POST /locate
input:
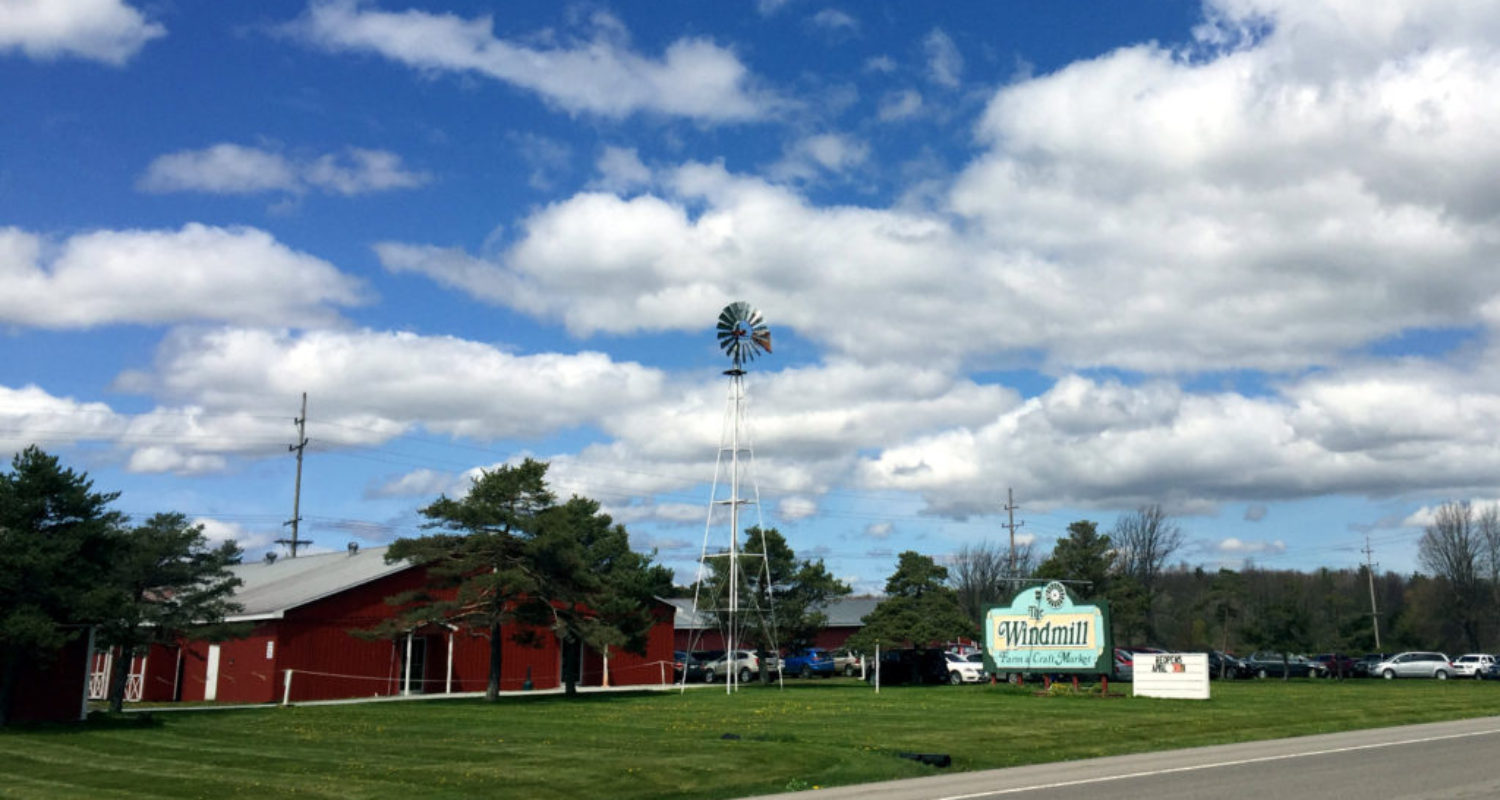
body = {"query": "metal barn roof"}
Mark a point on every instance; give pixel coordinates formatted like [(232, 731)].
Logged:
[(843, 612), (271, 588)]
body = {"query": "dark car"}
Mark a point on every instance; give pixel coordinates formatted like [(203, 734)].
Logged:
[(1278, 665), (1332, 665), (814, 661), (689, 663), (1224, 665), (910, 666), (1364, 666)]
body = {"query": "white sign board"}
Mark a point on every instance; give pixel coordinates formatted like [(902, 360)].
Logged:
[(1178, 676)]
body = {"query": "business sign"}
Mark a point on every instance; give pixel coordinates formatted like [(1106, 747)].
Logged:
[(1043, 631), (1171, 675)]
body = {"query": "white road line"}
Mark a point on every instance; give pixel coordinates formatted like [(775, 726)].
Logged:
[(1216, 765)]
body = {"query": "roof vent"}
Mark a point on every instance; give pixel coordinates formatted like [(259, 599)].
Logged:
[(270, 558), (353, 548)]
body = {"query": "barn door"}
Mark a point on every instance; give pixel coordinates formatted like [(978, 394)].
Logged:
[(99, 675), (135, 682), (211, 674)]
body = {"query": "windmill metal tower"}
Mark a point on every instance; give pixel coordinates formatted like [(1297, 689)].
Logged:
[(743, 336)]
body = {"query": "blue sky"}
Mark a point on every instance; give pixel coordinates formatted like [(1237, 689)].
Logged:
[(1234, 257)]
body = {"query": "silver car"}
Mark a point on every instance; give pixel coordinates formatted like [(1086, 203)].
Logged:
[(1415, 665)]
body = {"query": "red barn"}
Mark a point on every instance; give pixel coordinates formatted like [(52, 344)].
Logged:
[(54, 690), (302, 646)]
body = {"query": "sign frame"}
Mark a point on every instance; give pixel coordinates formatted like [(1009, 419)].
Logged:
[(1030, 610)]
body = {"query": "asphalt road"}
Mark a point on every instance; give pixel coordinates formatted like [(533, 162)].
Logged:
[(1438, 760)]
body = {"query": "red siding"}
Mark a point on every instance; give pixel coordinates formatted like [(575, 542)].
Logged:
[(328, 661), (52, 690)]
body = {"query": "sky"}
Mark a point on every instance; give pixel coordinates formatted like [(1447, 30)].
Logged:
[(1233, 257)]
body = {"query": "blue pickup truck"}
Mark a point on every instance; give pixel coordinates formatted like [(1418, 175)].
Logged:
[(810, 662)]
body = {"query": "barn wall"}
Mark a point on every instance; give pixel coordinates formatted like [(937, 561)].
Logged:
[(246, 675), (655, 666), (51, 689), (161, 679), (317, 642)]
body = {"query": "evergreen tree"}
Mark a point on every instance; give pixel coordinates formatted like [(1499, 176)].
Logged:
[(919, 610), (57, 540), (481, 558), (167, 581)]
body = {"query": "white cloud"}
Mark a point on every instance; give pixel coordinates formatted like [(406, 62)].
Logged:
[(1274, 206), (1232, 548), (621, 170), (1427, 515), (110, 31), (219, 531), (602, 75), (834, 20), (418, 483), (30, 415), (198, 273), (360, 171), (235, 169), (879, 530), (900, 105), (812, 156), (1104, 444), (882, 64), (945, 65), (795, 507)]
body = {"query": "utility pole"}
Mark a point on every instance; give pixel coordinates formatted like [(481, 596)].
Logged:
[(1010, 509), (1370, 571), (301, 423)]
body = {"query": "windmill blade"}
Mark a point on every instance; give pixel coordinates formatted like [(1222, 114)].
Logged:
[(762, 339)]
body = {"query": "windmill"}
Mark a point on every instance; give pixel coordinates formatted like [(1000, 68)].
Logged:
[(743, 336)]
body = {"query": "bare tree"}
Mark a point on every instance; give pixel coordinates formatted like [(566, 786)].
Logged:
[(1144, 541), (1452, 549), (981, 577), (1488, 525)]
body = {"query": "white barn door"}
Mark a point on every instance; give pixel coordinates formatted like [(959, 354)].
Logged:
[(211, 675)]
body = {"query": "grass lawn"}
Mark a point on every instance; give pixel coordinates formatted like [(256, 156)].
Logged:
[(668, 745)]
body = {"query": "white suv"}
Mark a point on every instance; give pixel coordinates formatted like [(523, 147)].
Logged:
[(1472, 665), (962, 670)]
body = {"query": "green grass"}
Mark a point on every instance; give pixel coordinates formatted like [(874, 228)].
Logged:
[(817, 733)]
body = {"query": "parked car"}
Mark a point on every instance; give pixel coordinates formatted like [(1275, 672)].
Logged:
[(1364, 664), (910, 666), (1124, 665), (1415, 664), (978, 660), (1224, 665), (1266, 664), (686, 663), (814, 661), (1491, 673), (745, 665), (1472, 665), (847, 662), (1332, 665), (962, 670)]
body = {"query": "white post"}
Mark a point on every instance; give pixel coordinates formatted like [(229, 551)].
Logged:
[(88, 666), (286, 688), (406, 672), (448, 683), (605, 680), (662, 665), (877, 667)]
